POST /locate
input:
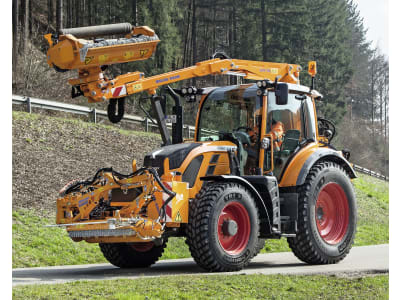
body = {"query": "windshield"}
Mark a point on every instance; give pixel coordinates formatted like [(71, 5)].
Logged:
[(289, 115), (227, 110)]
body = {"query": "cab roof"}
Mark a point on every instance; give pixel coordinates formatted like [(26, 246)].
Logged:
[(249, 90)]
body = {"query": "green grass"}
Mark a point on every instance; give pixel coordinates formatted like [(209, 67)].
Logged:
[(214, 287), (373, 210), (35, 245)]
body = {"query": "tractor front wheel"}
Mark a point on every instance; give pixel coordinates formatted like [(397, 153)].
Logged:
[(132, 255), (222, 233), (327, 216)]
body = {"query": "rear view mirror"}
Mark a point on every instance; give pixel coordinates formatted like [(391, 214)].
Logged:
[(282, 93)]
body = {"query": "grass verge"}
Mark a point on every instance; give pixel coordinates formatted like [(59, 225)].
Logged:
[(215, 287), (35, 245)]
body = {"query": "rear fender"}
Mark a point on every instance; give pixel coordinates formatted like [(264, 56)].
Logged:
[(327, 155), (296, 172)]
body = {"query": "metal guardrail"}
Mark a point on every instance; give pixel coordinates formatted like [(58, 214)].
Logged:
[(370, 173), (92, 113)]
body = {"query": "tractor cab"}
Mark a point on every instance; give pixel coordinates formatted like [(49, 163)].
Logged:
[(266, 130)]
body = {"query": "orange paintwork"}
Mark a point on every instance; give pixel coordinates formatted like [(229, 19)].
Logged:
[(65, 53), (292, 171)]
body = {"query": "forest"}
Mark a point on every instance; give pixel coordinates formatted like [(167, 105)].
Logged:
[(352, 75)]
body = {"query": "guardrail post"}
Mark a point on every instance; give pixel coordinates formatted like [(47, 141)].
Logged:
[(93, 116), (28, 105)]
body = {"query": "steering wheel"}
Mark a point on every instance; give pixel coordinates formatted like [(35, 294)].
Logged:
[(324, 125)]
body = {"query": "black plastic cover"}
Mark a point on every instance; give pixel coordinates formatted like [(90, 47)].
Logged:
[(175, 153), (192, 171)]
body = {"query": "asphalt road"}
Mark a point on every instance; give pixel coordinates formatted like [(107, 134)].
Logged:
[(367, 259)]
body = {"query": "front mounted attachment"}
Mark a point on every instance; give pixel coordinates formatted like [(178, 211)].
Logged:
[(113, 207)]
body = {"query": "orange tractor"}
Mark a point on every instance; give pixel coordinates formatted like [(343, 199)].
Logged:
[(260, 165)]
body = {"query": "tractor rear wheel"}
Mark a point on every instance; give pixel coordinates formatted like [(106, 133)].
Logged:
[(132, 255), (327, 216), (222, 233)]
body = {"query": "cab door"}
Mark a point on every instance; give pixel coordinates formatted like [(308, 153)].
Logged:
[(286, 126)]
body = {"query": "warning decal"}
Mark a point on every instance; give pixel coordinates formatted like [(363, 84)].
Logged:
[(119, 91), (178, 217)]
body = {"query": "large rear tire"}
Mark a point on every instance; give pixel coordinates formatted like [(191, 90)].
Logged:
[(132, 255), (327, 216), (223, 228)]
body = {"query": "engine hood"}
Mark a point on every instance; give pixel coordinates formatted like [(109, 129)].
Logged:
[(178, 152)]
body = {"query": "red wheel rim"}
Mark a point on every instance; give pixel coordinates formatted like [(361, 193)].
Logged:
[(142, 247), (332, 213), (235, 213)]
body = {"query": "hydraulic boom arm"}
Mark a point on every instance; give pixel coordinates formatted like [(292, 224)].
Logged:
[(103, 88), (69, 51)]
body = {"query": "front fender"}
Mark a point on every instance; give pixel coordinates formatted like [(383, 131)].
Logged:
[(265, 226)]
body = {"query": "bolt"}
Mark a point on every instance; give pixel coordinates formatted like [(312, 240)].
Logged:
[(93, 93), (104, 98)]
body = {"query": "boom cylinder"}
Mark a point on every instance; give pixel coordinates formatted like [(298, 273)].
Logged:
[(101, 30)]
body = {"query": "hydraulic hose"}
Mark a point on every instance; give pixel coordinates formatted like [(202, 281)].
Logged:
[(112, 108)]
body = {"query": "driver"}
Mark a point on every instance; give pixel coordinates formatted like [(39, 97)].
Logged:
[(277, 131)]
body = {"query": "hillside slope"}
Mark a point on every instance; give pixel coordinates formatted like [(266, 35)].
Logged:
[(49, 152)]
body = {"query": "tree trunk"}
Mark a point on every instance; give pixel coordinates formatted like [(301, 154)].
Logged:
[(90, 12), (109, 11), (59, 15), (194, 57), (68, 13), (77, 12), (134, 13), (386, 107), (15, 35), (50, 12), (380, 106), (263, 30), (25, 26), (186, 45), (30, 17)]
